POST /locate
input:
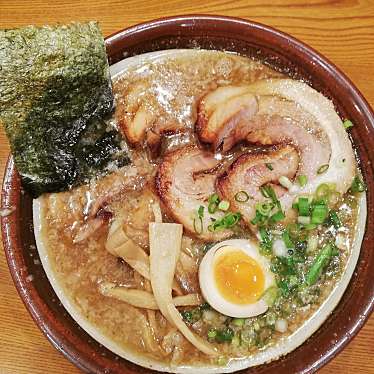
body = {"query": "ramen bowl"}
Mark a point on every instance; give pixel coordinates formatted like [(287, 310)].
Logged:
[(281, 52)]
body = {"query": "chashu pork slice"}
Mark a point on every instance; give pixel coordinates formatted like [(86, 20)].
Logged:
[(250, 171), (185, 180)]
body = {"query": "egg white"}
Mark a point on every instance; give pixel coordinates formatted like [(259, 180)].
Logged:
[(209, 288)]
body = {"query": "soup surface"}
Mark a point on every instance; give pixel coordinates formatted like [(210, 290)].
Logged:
[(226, 159)]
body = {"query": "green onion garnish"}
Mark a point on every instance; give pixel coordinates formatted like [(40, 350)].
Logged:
[(285, 182), (319, 213), (267, 191), (310, 226), (322, 259), (269, 166), (322, 168), (227, 221), (213, 202), (303, 206), (238, 321), (277, 217), (200, 211), (322, 190), (212, 333), (334, 219), (302, 180), (259, 218), (198, 225), (224, 335), (357, 185), (303, 220), (293, 230), (264, 190), (287, 240), (347, 124), (214, 198), (241, 197), (224, 205), (270, 295), (266, 241), (264, 208), (212, 208)]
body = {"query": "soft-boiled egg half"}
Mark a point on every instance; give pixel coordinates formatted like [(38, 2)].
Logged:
[(233, 276)]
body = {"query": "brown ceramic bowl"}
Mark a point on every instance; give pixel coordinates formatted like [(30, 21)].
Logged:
[(280, 51)]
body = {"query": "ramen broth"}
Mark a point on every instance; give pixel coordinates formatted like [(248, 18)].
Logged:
[(75, 226)]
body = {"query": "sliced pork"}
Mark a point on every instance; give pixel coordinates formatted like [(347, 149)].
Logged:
[(142, 121), (184, 182), (250, 171), (221, 112), (284, 111)]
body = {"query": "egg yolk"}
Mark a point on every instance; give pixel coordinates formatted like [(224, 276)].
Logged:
[(238, 277)]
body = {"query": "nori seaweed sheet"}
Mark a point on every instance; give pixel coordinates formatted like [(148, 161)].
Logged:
[(55, 92)]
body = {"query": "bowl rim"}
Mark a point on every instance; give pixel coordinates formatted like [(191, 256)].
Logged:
[(11, 191)]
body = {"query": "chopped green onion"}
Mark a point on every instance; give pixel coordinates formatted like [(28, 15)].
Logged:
[(224, 205), (231, 219), (322, 259), (213, 202), (292, 281), (302, 180), (212, 333), (264, 235), (205, 306), (303, 220), (312, 243), (277, 217), (267, 191), (334, 198), (270, 295), (303, 206), (347, 124), (198, 225), (213, 198), (285, 182), (224, 335), (259, 218), (238, 321), (212, 208), (228, 220), (322, 168), (334, 219), (293, 230), (319, 214), (310, 226), (287, 240), (191, 316), (269, 166), (264, 208), (357, 185), (266, 241), (200, 211), (241, 197), (187, 316), (335, 251), (322, 190)]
